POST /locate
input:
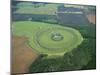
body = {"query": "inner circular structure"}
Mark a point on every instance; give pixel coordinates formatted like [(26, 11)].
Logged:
[(56, 36)]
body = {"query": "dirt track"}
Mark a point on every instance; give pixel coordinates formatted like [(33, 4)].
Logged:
[(22, 55)]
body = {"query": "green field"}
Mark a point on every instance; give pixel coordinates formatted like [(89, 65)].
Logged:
[(29, 8), (49, 39)]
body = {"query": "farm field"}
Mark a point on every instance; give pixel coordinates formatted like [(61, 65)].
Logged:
[(29, 8), (22, 54), (92, 18)]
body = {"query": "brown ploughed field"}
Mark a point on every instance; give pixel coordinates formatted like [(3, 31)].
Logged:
[(22, 55), (92, 18)]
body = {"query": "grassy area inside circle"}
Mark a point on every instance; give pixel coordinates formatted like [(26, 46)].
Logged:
[(39, 37)]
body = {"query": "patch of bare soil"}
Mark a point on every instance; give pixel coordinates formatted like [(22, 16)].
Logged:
[(92, 18), (22, 55)]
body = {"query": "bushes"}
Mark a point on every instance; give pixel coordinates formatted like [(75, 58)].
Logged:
[(87, 31)]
